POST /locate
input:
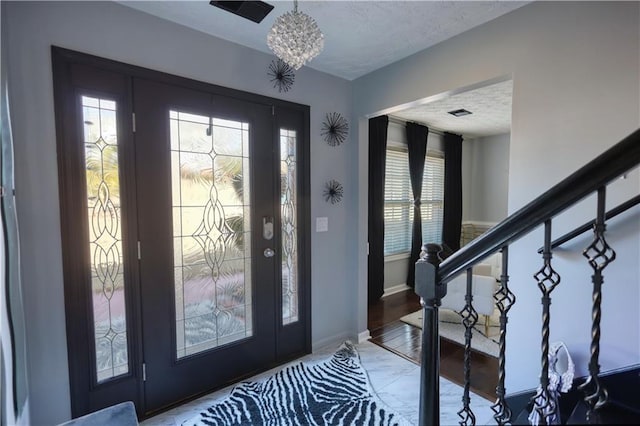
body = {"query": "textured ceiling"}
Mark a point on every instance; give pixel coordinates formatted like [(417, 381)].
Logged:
[(360, 36), (490, 106), (363, 36)]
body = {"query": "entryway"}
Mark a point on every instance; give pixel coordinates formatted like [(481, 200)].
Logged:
[(184, 215), (482, 114)]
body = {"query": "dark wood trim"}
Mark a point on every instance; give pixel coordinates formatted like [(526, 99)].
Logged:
[(134, 309), (136, 71), (71, 178), (61, 86), (299, 121), (69, 83), (305, 203)]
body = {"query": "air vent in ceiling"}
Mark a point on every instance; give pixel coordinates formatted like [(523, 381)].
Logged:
[(252, 10), (460, 112)]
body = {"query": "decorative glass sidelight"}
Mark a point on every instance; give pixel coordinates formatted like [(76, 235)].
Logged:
[(288, 204), (211, 231), (105, 237)]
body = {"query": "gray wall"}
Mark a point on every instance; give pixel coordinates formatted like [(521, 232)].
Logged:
[(485, 178), (395, 273), (14, 396), (116, 32), (575, 68)]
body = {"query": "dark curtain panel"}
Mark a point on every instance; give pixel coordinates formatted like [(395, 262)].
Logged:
[(377, 156), (417, 149), (452, 220)]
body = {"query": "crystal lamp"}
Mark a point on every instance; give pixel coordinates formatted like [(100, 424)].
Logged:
[(295, 38)]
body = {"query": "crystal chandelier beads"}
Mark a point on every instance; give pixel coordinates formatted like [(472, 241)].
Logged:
[(295, 38)]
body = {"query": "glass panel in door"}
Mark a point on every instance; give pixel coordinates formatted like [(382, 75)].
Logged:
[(205, 181), (211, 231)]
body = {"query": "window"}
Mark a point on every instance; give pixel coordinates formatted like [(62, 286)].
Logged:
[(398, 201), (432, 199)]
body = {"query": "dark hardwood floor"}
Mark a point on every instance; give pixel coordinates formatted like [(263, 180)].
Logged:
[(406, 340)]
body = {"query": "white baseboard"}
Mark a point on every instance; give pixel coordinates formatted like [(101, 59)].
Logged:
[(335, 341), (338, 339), (364, 336), (395, 289), (479, 223)]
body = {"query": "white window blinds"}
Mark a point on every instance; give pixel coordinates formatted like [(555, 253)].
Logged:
[(398, 205), (432, 200)]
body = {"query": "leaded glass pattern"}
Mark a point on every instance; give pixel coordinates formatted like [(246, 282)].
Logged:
[(288, 203), (211, 231), (105, 237)]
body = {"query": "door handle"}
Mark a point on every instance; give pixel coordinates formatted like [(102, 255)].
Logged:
[(269, 252)]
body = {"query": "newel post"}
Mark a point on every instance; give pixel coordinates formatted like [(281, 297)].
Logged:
[(430, 292)]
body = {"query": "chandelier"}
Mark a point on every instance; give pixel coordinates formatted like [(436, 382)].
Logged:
[(295, 38)]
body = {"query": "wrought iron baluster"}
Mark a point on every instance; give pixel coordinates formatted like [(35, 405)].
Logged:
[(547, 279), (599, 255), (469, 319), (504, 300)]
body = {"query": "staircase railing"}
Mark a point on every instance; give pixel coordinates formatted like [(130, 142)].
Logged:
[(433, 273), (632, 202)]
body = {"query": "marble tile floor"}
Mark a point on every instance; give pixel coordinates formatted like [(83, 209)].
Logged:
[(395, 380)]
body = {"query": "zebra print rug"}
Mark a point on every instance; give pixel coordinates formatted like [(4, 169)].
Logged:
[(331, 392)]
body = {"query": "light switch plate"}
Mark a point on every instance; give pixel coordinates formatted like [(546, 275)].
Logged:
[(322, 224)]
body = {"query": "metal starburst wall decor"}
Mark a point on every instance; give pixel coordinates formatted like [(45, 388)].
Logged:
[(335, 129), (333, 191), (282, 75)]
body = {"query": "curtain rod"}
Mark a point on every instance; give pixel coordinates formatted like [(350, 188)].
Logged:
[(402, 122)]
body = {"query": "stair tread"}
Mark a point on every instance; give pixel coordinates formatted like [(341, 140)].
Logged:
[(523, 417), (612, 413)]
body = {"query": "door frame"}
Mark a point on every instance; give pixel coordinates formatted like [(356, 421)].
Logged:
[(80, 375), (171, 376)]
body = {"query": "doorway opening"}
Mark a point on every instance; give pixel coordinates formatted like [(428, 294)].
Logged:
[(485, 167)]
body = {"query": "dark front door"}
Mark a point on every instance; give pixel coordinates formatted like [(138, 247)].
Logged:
[(184, 220), (207, 243)]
